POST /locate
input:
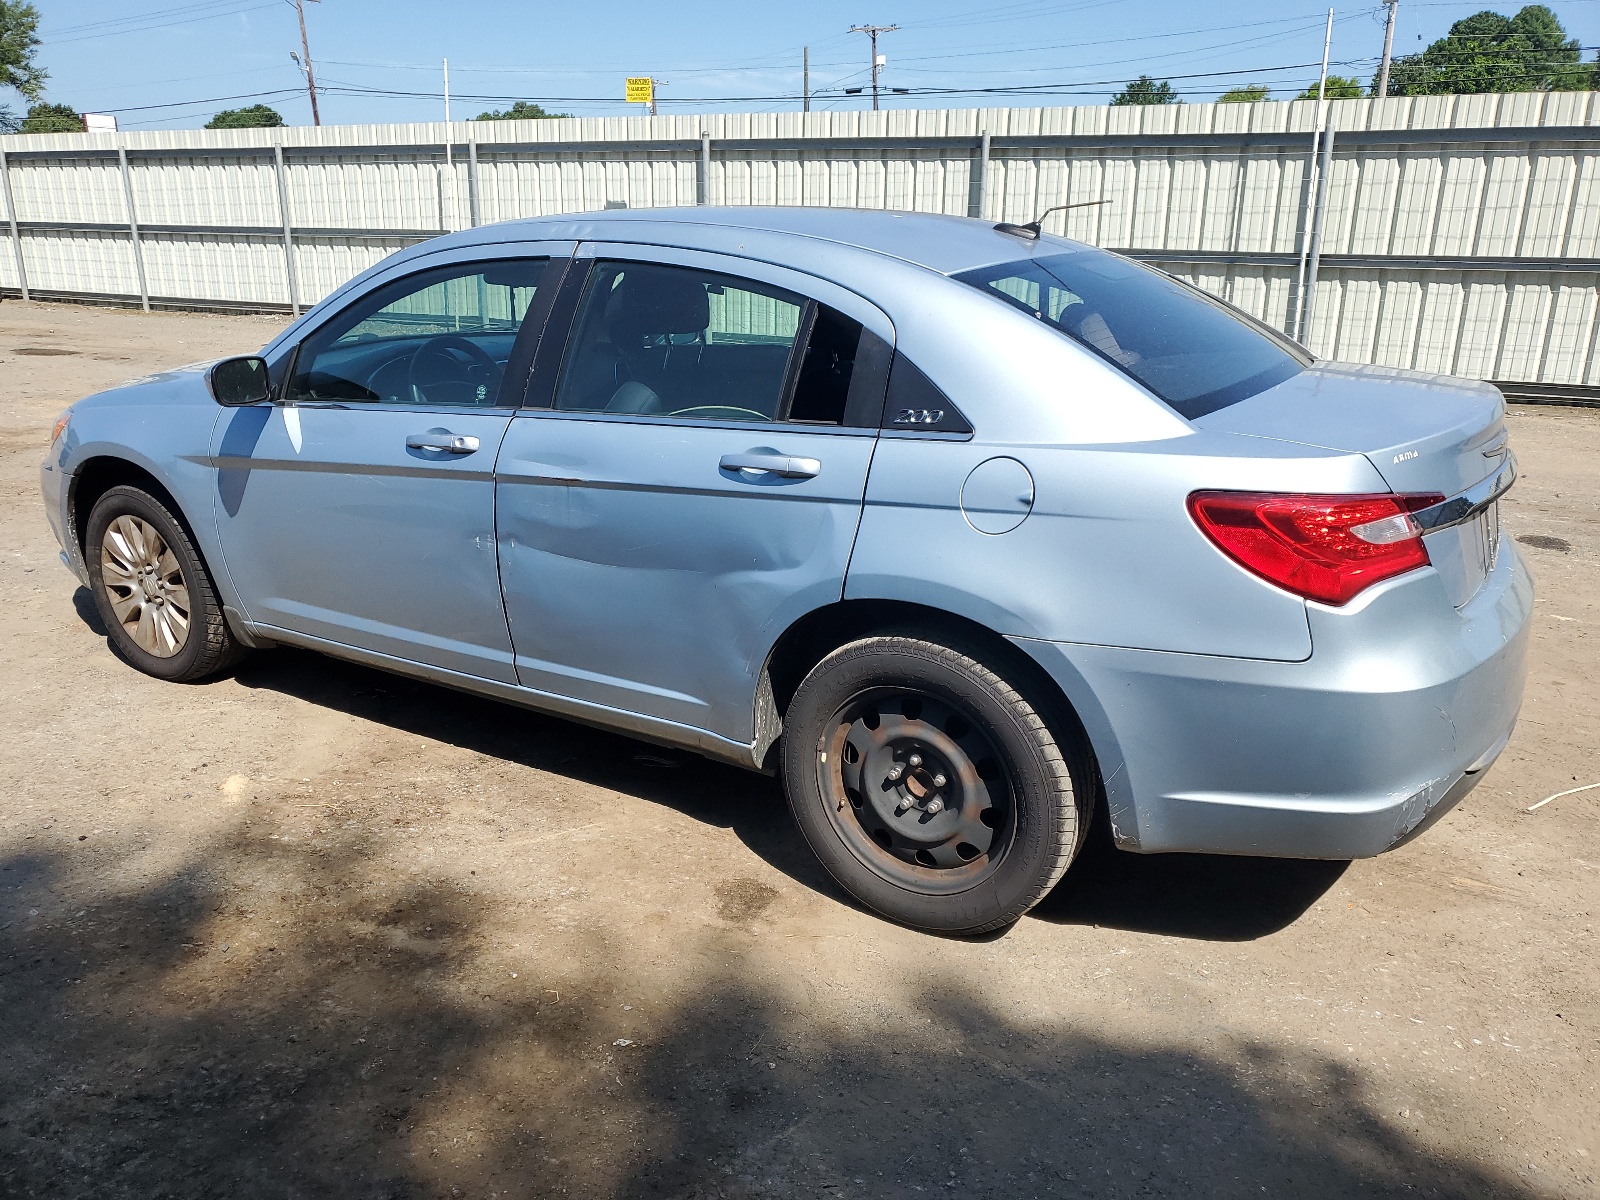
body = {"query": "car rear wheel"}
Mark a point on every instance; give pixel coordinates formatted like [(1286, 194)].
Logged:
[(930, 787), (153, 591)]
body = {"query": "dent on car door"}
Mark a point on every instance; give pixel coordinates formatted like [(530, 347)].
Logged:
[(359, 510), (692, 483)]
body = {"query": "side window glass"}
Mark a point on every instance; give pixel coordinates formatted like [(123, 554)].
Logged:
[(441, 338), (822, 390), (682, 343)]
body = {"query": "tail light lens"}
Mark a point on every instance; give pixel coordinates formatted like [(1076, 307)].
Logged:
[(1327, 548)]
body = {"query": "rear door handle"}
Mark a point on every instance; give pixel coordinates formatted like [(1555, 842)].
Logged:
[(450, 443), (764, 463)]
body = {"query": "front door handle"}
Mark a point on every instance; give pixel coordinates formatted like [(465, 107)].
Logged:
[(450, 443), (766, 463)]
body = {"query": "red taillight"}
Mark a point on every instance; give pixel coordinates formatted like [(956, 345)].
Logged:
[(1327, 548)]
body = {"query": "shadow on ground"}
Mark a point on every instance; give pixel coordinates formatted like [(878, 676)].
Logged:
[(1208, 897), (750, 805), (281, 1020)]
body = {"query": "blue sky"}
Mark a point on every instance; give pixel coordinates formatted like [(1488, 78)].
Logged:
[(716, 55)]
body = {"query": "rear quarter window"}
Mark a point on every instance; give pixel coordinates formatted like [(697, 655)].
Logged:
[(1194, 352)]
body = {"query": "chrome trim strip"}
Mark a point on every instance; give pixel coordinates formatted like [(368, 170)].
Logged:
[(1458, 510)]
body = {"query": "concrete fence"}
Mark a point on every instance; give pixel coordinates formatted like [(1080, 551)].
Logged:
[(1455, 233)]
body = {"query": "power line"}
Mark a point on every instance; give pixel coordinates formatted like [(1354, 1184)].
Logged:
[(1039, 89), (1307, 21), (135, 18), (189, 20), (1188, 52), (202, 103), (1304, 22), (344, 87)]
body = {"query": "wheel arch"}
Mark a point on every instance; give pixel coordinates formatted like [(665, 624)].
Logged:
[(96, 476), (1073, 711)]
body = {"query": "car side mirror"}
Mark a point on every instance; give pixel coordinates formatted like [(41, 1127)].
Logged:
[(235, 382)]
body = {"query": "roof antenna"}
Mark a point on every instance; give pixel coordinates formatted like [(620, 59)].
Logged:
[(1035, 227)]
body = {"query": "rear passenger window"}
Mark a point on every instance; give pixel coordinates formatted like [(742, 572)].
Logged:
[(681, 343), (823, 387)]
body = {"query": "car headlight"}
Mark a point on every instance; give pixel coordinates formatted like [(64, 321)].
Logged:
[(61, 426)]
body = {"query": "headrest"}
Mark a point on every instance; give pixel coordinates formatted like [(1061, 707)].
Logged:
[(656, 300)]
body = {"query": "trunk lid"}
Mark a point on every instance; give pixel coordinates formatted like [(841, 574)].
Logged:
[(1422, 433)]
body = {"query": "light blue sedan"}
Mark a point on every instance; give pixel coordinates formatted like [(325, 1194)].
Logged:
[(966, 531)]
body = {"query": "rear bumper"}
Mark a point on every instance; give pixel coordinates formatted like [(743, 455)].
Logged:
[(1398, 713)]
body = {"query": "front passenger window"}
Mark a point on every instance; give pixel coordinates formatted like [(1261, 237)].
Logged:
[(664, 341), (441, 337)]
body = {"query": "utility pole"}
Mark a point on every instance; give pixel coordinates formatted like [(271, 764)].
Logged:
[(449, 149), (1382, 89), (1322, 82), (872, 31), (1316, 195), (305, 49), (805, 75)]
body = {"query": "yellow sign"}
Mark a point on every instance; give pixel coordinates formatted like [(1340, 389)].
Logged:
[(641, 90)]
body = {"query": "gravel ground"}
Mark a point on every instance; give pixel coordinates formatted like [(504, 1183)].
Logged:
[(310, 930)]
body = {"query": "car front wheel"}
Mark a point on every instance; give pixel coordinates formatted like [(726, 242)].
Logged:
[(153, 591), (930, 787)]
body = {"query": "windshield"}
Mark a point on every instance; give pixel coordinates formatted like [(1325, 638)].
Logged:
[(1192, 351)]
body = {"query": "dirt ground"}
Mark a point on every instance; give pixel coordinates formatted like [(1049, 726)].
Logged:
[(311, 930)]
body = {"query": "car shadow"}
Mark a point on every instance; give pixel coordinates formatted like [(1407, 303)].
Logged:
[(83, 605), (749, 805), (1205, 897)]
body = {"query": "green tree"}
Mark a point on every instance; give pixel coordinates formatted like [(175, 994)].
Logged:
[(521, 111), (51, 118), (1488, 52), (1340, 87), (19, 37), (1248, 94), (1145, 90), (257, 116)]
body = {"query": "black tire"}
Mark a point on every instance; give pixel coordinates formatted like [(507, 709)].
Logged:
[(207, 645), (980, 747)]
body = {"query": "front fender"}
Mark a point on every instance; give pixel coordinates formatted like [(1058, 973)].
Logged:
[(164, 430)]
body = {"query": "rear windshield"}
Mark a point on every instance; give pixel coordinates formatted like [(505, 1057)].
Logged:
[(1195, 353)]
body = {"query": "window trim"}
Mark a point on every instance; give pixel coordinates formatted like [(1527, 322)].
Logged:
[(797, 361), (523, 347)]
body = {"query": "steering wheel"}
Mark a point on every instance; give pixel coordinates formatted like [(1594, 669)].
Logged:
[(437, 349), (721, 412)]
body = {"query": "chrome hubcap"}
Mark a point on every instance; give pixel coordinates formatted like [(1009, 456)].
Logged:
[(145, 586)]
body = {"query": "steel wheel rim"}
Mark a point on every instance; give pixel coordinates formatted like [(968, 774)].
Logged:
[(145, 586), (939, 825)]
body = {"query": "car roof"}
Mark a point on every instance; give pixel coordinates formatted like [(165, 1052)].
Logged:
[(941, 243)]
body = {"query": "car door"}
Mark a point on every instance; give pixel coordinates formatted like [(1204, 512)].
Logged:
[(689, 482), (359, 509)]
